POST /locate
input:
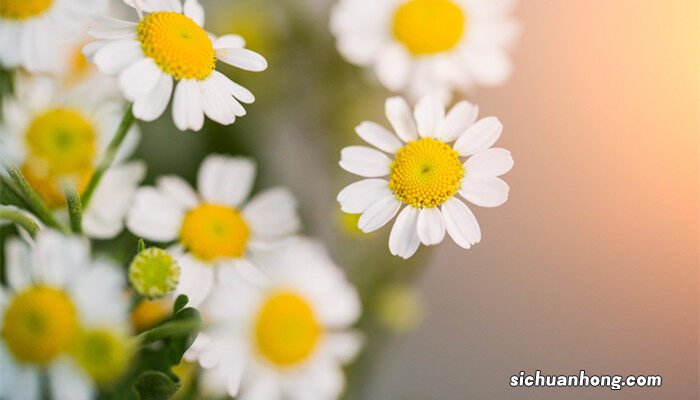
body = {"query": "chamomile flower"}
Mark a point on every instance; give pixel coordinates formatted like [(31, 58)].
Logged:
[(169, 44), (285, 340), (428, 46), (64, 315), (426, 173), (53, 135), (33, 32), (215, 230)]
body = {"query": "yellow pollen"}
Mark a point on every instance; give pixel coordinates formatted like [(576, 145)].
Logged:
[(23, 9), (102, 354), (177, 44), (39, 325), (286, 330), (425, 173), (212, 231), (429, 26)]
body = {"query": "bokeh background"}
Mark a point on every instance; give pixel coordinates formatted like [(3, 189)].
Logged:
[(593, 262)]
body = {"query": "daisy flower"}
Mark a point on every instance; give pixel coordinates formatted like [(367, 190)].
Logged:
[(285, 340), (169, 43), (428, 46), (215, 230), (426, 173), (53, 135), (33, 32), (59, 307)]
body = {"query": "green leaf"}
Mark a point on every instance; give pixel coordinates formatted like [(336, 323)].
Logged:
[(176, 346), (154, 385), (180, 303)]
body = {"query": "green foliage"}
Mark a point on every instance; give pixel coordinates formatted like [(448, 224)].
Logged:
[(154, 385)]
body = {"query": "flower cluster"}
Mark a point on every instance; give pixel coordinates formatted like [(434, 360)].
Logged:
[(120, 279)]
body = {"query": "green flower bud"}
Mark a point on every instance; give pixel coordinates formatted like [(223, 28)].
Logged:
[(154, 272)]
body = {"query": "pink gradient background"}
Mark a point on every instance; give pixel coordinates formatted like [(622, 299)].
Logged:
[(593, 262)]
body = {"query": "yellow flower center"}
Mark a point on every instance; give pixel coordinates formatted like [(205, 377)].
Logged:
[(102, 354), (286, 330), (61, 144), (39, 324), (212, 231), (147, 313), (425, 173), (177, 44), (429, 26), (23, 9)]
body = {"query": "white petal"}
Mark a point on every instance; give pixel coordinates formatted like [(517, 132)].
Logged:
[(378, 136), (187, 106), (231, 87), (114, 57), (112, 28), (272, 214), (226, 180), (139, 79), (68, 381), (242, 269), (344, 346), (98, 294), (194, 10), (152, 106), (229, 42), (364, 161), (218, 105), (399, 114), (489, 68), (378, 214), (18, 264), (484, 191), (492, 162), (404, 240), (429, 114), (480, 136), (177, 190), (357, 197), (431, 226), (60, 258), (155, 216), (242, 58), (461, 223), (196, 278), (458, 119), (393, 68)]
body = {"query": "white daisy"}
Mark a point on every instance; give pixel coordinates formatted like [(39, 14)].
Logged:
[(215, 227), (284, 340), (167, 44), (428, 46), (426, 173), (33, 32), (59, 304), (53, 135)]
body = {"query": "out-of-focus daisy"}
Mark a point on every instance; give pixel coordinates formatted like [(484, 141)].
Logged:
[(215, 229), (53, 136), (64, 315), (167, 44), (428, 46), (33, 32), (284, 340), (426, 173)]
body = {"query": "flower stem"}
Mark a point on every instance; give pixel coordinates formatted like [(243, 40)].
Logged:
[(33, 200), (75, 209), (168, 329), (13, 214), (108, 157)]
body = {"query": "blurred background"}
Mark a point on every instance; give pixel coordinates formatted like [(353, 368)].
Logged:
[(593, 262)]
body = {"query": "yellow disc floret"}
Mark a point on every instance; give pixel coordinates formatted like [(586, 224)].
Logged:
[(429, 26), (425, 173), (212, 231), (23, 9), (286, 330), (177, 44), (39, 325), (102, 354)]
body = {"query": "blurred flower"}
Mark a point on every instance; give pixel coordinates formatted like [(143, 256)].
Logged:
[(285, 339), (55, 135), (153, 272), (57, 295), (214, 228), (148, 313), (399, 308), (33, 32), (169, 43), (428, 46), (426, 173)]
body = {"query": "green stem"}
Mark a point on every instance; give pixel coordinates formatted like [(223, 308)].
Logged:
[(13, 214), (108, 157), (168, 329), (33, 200), (75, 209)]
